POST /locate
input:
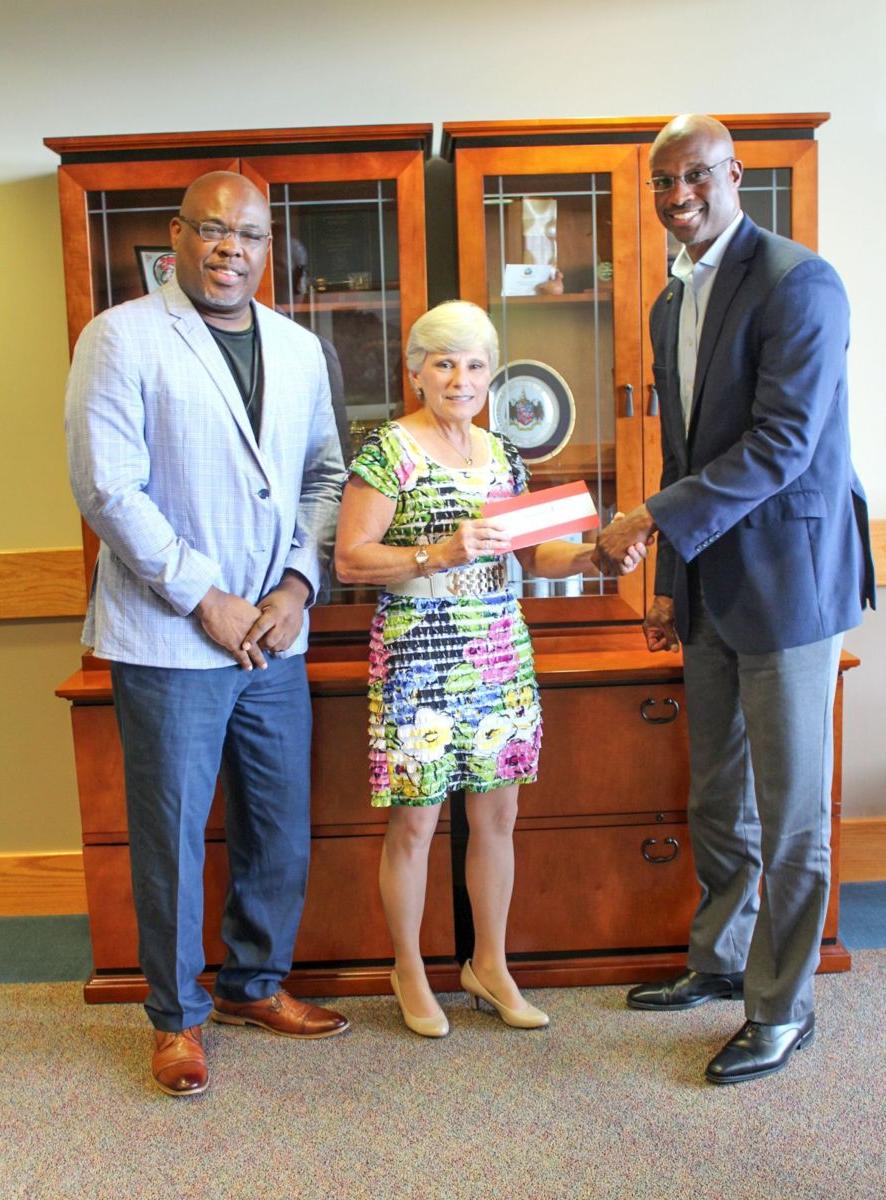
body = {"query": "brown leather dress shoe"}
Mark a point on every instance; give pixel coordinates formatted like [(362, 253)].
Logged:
[(283, 1014), (179, 1062)]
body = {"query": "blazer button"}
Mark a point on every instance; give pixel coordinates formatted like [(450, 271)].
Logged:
[(263, 494)]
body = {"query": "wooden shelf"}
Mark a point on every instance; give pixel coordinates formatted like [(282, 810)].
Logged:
[(602, 295), (342, 301)]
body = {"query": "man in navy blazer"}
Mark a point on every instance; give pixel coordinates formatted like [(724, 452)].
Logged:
[(203, 452), (763, 562)]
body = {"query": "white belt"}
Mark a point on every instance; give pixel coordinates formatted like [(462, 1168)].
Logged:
[(474, 579)]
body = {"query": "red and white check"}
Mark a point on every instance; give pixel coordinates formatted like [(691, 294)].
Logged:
[(550, 513)]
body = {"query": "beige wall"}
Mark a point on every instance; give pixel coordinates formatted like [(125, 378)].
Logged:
[(38, 791), (100, 67)]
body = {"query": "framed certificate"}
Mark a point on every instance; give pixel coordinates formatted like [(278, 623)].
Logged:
[(531, 403)]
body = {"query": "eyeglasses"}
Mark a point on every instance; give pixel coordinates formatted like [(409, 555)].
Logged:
[(215, 231), (693, 178)]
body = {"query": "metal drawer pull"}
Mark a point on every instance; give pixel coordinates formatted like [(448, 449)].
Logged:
[(629, 399), (648, 704), (653, 402), (660, 858)]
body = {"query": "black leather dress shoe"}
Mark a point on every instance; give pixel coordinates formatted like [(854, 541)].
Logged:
[(759, 1050), (686, 991)]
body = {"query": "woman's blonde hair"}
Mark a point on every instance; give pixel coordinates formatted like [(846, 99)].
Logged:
[(454, 325)]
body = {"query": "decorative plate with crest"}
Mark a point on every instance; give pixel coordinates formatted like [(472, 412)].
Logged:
[(531, 403)]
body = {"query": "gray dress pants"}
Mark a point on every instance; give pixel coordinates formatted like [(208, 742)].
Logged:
[(761, 758)]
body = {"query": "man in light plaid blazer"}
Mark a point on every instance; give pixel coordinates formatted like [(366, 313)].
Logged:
[(203, 452)]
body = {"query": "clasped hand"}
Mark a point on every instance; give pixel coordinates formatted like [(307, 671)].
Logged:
[(249, 631)]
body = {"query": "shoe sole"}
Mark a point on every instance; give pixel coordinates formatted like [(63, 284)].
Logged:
[(172, 1092), (639, 1004), (804, 1041), (228, 1019)]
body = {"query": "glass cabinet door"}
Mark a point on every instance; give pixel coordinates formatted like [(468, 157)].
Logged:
[(348, 263), (549, 245), (337, 272)]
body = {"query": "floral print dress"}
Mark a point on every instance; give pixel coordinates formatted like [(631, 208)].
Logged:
[(453, 701)]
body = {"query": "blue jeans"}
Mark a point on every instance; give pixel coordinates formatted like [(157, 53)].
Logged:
[(180, 728)]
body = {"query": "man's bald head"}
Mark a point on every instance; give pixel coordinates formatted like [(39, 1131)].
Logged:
[(696, 178), (212, 187), (692, 125)]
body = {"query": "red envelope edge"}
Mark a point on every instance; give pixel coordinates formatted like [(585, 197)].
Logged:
[(545, 532)]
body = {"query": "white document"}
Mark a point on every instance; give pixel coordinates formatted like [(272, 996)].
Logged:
[(521, 279)]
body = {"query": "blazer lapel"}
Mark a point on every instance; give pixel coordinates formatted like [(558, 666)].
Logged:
[(190, 325), (270, 360), (673, 413)]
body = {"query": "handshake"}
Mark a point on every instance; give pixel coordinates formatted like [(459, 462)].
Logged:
[(636, 528), (613, 545)]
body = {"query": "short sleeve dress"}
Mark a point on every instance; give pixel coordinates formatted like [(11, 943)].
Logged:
[(453, 700)]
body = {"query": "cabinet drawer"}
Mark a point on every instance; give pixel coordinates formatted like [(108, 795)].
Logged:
[(339, 768), (98, 757), (342, 919), (589, 889), (340, 763), (611, 750)]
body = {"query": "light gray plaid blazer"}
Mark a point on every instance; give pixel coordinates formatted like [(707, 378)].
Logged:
[(166, 470)]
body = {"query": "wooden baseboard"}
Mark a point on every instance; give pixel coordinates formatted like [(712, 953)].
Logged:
[(41, 885), (863, 850)]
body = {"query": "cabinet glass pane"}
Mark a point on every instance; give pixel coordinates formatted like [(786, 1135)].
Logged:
[(549, 272), (336, 271), (129, 242), (766, 198)]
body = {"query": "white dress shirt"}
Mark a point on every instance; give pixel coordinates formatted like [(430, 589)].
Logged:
[(698, 280)]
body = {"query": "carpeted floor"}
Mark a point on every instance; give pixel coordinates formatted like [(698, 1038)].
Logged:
[(607, 1104)]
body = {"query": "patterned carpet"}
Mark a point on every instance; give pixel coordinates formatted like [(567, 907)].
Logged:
[(607, 1104)]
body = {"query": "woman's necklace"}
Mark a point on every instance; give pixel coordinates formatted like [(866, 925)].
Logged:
[(469, 460)]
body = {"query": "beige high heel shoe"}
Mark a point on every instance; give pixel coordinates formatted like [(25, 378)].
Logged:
[(529, 1017), (436, 1026)]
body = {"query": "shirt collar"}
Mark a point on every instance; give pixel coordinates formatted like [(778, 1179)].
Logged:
[(684, 266)]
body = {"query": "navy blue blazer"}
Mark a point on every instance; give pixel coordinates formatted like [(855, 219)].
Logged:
[(762, 492)]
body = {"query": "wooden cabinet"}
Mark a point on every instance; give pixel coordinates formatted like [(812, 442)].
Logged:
[(605, 887)]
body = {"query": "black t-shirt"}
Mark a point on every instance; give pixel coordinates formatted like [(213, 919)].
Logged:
[(242, 352)]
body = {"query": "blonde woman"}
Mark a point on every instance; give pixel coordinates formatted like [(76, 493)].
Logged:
[(453, 699)]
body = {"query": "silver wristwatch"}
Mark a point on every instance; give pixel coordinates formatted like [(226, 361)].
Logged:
[(422, 558)]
